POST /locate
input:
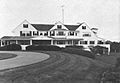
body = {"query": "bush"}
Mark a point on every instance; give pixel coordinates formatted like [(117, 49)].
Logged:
[(43, 47), (79, 52), (117, 62), (78, 47), (11, 47), (99, 49)]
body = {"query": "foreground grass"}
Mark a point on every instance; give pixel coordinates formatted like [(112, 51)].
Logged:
[(110, 59), (60, 68)]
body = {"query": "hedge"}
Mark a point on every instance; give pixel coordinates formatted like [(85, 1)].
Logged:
[(11, 47), (118, 62), (78, 47), (99, 49), (79, 52), (43, 48)]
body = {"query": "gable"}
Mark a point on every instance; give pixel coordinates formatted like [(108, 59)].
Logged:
[(21, 27), (55, 27)]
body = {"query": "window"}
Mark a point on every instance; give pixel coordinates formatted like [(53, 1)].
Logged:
[(25, 25), (25, 33), (52, 33), (41, 33), (69, 41), (61, 42), (100, 42), (71, 33), (24, 42), (75, 34), (22, 34), (35, 33), (92, 42), (46, 34), (83, 27), (86, 35), (75, 42), (60, 33), (59, 26), (29, 34), (83, 42)]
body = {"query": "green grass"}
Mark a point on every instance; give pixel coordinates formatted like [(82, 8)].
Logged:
[(6, 56)]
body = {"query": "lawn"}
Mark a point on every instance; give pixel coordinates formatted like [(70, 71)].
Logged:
[(6, 56), (59, 68), (110, 59)]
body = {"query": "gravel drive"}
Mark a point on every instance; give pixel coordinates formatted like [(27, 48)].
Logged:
[(23, 58)]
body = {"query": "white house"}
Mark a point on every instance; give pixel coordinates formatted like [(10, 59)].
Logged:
[(58, 34)]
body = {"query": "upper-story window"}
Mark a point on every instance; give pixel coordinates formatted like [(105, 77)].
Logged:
[(35, 33), (25, 33), (59, 26), (71, 33), (83, 42), (83, 27), (86, 35), (92, 42), (41, 33), (52, 33), (25, 25), (60, 33), (100, 42), (76, 34), (46, 34)]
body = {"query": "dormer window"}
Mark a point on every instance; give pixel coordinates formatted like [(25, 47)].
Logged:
[(25, 25), (83, 27), (59, 26)]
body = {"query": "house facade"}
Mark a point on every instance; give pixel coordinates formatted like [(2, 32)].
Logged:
[(57, 34)]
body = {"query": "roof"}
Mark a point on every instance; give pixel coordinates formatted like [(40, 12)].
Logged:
[(16, 38), (42, 27), (41, 38), (46, 27), (72, 27)]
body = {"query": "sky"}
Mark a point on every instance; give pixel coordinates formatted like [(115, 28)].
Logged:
[(101, 14)]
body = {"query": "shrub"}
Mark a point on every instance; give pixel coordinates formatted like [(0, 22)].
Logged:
[(11, 47), (117, 62), (79, 52), (99, 49), (43, 47), (78, 47)]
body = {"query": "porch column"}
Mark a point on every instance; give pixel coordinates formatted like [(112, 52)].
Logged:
[(1, 43), (30, 42), (51, 42), (72, 42), (66, 42), (79, 42), (16, 41)]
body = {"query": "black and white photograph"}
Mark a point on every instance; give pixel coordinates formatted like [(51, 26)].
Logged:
[(59, 41)]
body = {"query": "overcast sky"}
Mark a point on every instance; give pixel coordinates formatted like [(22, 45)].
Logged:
[(102, 14)]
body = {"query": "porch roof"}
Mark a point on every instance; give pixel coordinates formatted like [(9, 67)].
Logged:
[(15, 38), (41, 38)]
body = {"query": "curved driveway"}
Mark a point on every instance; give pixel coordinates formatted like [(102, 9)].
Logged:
[(23, 58)]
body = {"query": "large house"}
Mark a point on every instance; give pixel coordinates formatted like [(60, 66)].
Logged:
[(58, 34)]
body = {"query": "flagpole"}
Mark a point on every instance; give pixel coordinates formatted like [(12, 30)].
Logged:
[(62, 13)]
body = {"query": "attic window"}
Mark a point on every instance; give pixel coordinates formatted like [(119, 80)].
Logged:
[(25, 25), (59, 26), (83, 27)]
